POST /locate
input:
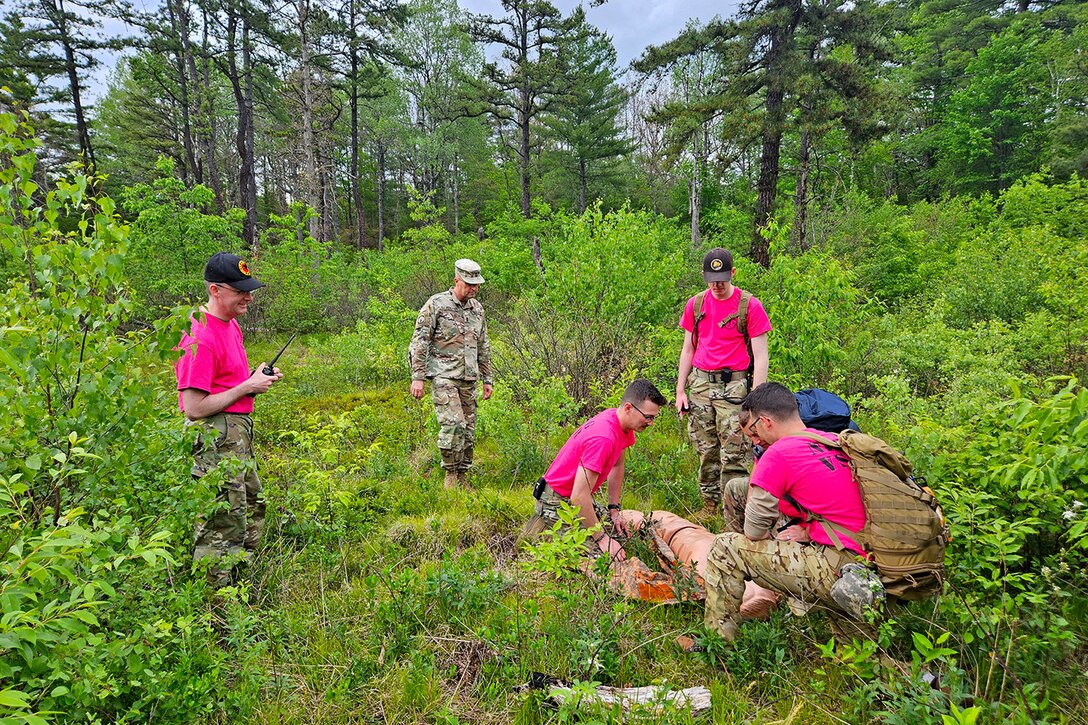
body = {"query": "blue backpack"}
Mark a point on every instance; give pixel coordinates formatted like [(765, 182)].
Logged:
[(824, 411)]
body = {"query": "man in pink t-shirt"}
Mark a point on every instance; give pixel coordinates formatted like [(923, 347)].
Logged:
[(592, 455), (801, 478), (216, 391), (724, 352)]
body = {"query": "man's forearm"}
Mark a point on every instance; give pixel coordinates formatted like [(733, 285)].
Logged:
[(760, 360), (199, 404), (583, 501), (684, 369), (760, 513)]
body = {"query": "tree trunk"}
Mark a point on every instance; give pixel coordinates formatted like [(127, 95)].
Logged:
[(73, 83), (311, 191), (525, 110), (456, 189), (380, 183), (247, 183), (767, 185), (241, 81), (359, 225), (180, 25), (207, 105), (582, 184), (695, 201), (523, 157), (799, 235), (778, 56)]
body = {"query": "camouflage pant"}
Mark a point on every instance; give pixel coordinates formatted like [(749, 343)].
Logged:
[(546, 515), (806, 572), (225, 447), (714, 430), (455, 408), (734, 499)]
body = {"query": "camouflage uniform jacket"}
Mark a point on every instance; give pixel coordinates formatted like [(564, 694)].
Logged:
[(450, 340)]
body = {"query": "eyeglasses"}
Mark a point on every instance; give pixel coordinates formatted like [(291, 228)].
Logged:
[(749, 428), (235, 290), (649, 418)]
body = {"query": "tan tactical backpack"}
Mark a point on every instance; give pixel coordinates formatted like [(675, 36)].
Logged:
[(905, 531)]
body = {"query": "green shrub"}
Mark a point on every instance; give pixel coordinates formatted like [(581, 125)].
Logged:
[(95, 495), (172, 236)]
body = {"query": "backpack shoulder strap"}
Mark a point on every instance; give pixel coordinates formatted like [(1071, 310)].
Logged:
[(819, 439), (697, 310), (742, 315)]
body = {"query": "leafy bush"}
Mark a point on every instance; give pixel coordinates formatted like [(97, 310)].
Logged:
[(172, 236), (95, 495), (609, 279)]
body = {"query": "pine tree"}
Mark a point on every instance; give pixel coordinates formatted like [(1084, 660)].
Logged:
[(526, 83), (585, 122), (781, 54)]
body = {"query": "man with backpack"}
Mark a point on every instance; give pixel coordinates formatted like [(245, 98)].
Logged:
[(723, 357), (801, 478)]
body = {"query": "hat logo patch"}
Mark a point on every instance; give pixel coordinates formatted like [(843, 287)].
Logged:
[(243, 267), (716, 265)]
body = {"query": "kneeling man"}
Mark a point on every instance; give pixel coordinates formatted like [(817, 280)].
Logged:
[(794, 475), (594, 453)]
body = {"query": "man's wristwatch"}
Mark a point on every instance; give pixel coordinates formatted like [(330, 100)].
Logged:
[(614, 507)]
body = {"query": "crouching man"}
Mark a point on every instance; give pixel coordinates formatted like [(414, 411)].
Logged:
[(795, 474), (592, 455)]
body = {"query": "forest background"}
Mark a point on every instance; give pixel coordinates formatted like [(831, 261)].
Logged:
[(902, 184)]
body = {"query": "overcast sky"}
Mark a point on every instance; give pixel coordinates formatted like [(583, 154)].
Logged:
[(633, 24)]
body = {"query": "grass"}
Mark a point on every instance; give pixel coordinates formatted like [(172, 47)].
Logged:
[(380, 597)]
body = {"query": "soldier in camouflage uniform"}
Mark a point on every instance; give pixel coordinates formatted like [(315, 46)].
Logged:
[(725, 334), (595, 455), (451, 349), (216, 391), (794, 473)]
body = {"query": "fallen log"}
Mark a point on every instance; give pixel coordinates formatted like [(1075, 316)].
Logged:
[(652, 698)]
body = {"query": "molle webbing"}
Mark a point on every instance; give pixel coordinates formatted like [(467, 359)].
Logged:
[(904, 532)]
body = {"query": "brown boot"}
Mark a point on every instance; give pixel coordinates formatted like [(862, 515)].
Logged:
[(710, 509), (452, 480), (462, 480)]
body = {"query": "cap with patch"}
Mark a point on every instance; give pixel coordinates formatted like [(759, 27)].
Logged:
[(468, 270), (718, 265), (230, 269)]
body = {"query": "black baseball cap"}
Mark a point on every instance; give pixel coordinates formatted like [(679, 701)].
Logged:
[(230, 269), (718, 265)]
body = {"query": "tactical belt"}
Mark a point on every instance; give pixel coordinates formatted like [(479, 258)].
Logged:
[(725, 375)]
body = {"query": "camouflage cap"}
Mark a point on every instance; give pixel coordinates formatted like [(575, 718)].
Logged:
[(468, 270)]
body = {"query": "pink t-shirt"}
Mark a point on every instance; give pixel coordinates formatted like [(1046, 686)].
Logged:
[(819, 478), (597, 446), (217, 362), (723, 347)]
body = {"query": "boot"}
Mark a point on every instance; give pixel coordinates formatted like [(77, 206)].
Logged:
[(452, 480), (462, 480), (710, 508)]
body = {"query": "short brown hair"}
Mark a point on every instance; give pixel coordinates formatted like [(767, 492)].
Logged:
[(641, 389), (773, 400)]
